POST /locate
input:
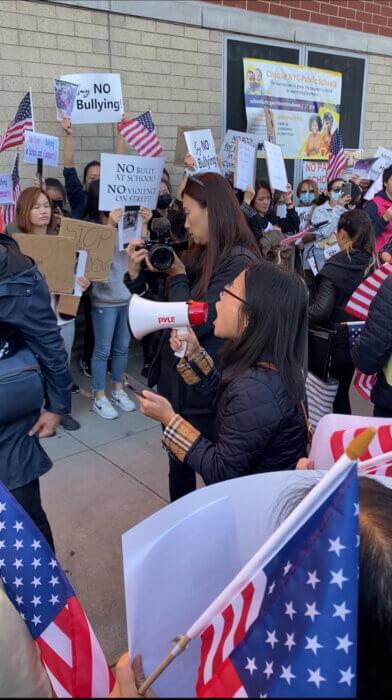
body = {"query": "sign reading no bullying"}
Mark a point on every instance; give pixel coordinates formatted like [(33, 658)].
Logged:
[(99, 98)]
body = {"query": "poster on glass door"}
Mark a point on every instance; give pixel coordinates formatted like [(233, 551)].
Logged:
[(295, 107)]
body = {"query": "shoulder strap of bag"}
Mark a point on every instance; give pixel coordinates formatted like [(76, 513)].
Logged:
[(269, 365)]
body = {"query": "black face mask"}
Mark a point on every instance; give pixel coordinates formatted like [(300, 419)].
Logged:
[(163, 201)]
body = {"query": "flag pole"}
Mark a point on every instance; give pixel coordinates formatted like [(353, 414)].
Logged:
[(374, 461), (32, 111), (287, 529)]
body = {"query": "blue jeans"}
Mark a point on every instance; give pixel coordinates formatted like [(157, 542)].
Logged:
[(111, 337)]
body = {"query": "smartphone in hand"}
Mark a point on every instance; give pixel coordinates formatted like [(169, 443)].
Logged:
[(39, 170), (137, 386)]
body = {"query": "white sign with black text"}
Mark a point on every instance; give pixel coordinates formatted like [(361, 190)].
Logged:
[(129, 181), (201, 146), (245, 165), (99, 98), (227, 150), (276, 167)]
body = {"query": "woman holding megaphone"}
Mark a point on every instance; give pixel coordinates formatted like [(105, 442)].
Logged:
[(258, 393), (221, 246)]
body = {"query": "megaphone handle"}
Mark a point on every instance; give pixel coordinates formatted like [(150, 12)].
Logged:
[(181, 331)]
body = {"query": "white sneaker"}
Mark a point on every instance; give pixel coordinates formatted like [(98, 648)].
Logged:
[(104, 408), (121, 399)]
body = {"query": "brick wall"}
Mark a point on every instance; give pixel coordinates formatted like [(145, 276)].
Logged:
[(173, 69), (371, 16)]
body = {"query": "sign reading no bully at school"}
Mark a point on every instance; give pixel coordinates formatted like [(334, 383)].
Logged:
[(99, 98), (129, 181)]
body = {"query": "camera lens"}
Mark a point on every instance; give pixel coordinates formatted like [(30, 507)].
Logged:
[(161, 256)]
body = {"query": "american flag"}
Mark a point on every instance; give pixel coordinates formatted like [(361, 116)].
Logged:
[(14, 133), (359, 303), (381, 443), (337, 157), (140, 133), (9, 209), (363, 383), (292, 632), (37, 586)]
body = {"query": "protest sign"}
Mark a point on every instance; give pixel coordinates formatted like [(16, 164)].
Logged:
[(201, 146), (317, 171), (352, 157), (364, 168), (41, 146), (6, 190), (55, 259), (277, 174), (304, 216), (227, 150), (97, 240), (244, 166), (383, 158), (65, 96), (129, 180), (181, 147), (296, 107), (375, 187), (99, 98), (69, 303), (129, 227)]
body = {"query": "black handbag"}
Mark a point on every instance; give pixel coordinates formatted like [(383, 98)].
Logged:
[(21, 385)]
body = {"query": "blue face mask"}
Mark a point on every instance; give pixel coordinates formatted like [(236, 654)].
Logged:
[(335, 196), (307, 197)]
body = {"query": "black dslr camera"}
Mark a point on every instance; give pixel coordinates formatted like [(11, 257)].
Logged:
[(160, 245)]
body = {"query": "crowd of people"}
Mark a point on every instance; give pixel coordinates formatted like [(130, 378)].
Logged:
[(235, 404)]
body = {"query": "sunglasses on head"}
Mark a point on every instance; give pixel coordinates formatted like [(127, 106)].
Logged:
[(196, 179)]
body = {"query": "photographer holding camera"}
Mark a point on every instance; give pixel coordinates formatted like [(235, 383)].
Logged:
[(221, 246)]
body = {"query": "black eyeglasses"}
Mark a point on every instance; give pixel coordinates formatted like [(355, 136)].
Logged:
[(227, 291)]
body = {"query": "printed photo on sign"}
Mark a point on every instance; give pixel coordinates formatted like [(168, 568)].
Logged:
[(99, 98), (129, 181), (65, 96), (129, 227), (6, 193), (201, 146), (41, 146), (227, 150), (296, 107)]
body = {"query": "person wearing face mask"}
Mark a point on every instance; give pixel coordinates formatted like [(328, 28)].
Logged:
[(258, 211), (221, 246), (334, 286), (331, 210), (258, 392), (308, 195)]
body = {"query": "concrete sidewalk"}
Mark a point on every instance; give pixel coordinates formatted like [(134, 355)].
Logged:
[(107, 477)]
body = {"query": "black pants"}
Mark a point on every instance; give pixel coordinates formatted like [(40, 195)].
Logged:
[(343, 373), (88, 333), (381, 412), (29, 498), (182, 479)]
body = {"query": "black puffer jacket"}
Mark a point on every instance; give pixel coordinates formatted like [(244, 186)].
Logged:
[(258, 223), (333, 287), (256, 431), (373, 348)]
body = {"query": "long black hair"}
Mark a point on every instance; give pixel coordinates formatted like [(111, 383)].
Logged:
[(91, 210), (275, 328)]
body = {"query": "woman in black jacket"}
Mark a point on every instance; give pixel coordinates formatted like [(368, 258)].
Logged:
[(334, 286), (259, 213), (258, 393), (221, 247), (373, 350)]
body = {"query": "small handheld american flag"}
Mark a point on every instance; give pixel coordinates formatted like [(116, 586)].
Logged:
[(140, 133), (9, 209), (337, 157), (363, 383), (39, 589), (23, 121)]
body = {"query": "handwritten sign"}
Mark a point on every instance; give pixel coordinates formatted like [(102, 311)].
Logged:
[(97, 240), (227, 150), (276, 167), (201, 146), (129, 180), (99, 98), (41, 146), (245, 165), (55, 259), (6, 192)]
